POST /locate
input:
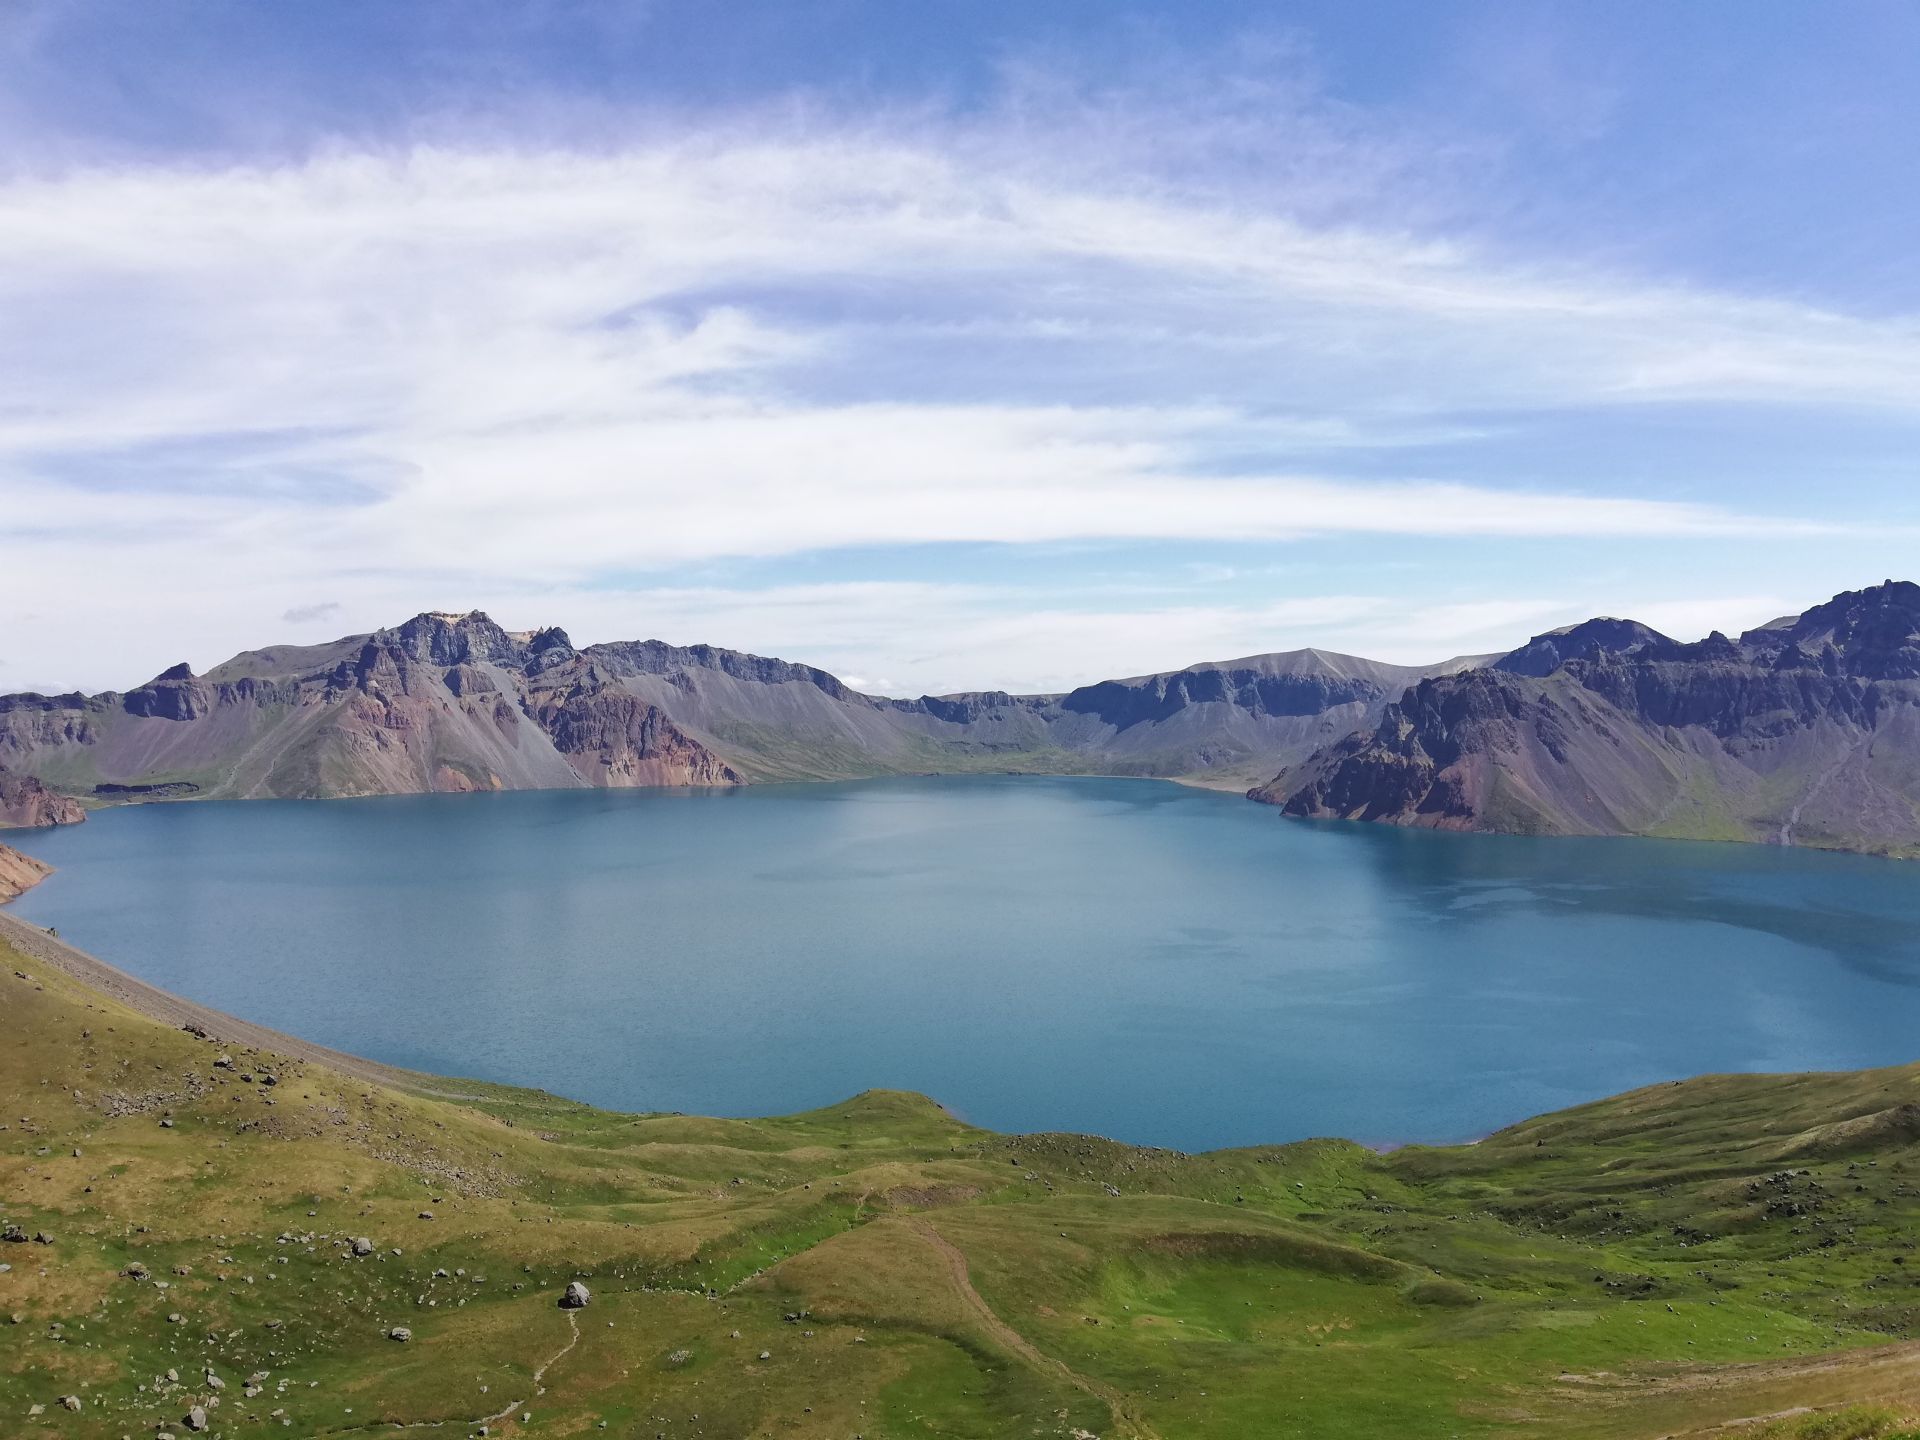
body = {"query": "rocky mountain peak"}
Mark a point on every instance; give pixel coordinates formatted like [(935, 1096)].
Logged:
[(173, 694), (1603, 635), (1874, 633), (439, 638)]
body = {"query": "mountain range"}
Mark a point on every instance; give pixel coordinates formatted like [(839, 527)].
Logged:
[(1804, 731)]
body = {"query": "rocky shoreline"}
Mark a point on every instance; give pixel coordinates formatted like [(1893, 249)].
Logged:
[(42, 948)]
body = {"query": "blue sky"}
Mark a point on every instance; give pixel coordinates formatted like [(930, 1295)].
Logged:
[(949, 345)]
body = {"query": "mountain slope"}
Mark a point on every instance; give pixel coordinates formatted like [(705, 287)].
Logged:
[(455, 702), (26, 802), (440, 703), (1805, 731)]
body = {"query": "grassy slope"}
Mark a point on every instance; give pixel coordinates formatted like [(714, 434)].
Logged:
[(1653, 1264)]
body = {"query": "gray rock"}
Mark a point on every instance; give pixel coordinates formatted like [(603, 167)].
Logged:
[(363, 1246), (400, 1332), (575, 1297), (196, 1419)]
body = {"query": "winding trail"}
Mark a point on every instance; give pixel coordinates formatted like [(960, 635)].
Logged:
[(1126, 1419), (502, 1413), (1785, 837), (573, 1324)]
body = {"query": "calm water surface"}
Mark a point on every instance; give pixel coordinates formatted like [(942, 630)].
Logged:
[(1163, 965)]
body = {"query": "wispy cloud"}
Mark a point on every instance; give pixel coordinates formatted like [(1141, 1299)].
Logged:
[(379, 371)]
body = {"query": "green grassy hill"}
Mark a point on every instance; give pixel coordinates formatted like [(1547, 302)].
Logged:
[(1662, 1263)]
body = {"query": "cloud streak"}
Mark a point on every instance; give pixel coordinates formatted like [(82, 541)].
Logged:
[(512, 372)]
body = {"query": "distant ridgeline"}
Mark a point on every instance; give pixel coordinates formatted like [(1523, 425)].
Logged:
[(1804, 731)]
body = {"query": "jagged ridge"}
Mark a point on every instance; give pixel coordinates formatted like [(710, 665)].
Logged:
[(456, 702), (1805, 731)]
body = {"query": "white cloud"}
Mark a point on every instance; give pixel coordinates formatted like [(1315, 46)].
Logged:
[(505, 374)]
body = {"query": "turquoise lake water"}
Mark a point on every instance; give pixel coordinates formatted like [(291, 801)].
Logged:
[(1162, 965)]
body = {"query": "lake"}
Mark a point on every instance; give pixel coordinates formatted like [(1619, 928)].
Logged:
[(1162, 965)]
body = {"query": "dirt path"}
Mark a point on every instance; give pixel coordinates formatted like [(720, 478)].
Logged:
[(1785, 837), (169, 1009), (1125, 1419), (573, 1323)]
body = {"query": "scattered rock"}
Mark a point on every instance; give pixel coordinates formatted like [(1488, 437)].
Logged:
[(575, 1297), (400, 1332), (71, 1402), (363, 1246), (196, 1419)]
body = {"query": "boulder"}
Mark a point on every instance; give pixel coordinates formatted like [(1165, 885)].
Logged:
[(575, 1297)]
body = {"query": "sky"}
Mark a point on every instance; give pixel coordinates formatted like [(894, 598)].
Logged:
[(949, 345)]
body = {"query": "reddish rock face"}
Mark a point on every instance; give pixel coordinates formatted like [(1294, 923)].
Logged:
[(613, 738), (19, 872), (26, 802)]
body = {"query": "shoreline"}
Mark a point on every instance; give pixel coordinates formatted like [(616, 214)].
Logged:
[(221, 1028), (170, 1009), (1199, 783)]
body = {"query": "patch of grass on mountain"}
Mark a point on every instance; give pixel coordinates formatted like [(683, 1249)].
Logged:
[(1661, 1263)]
